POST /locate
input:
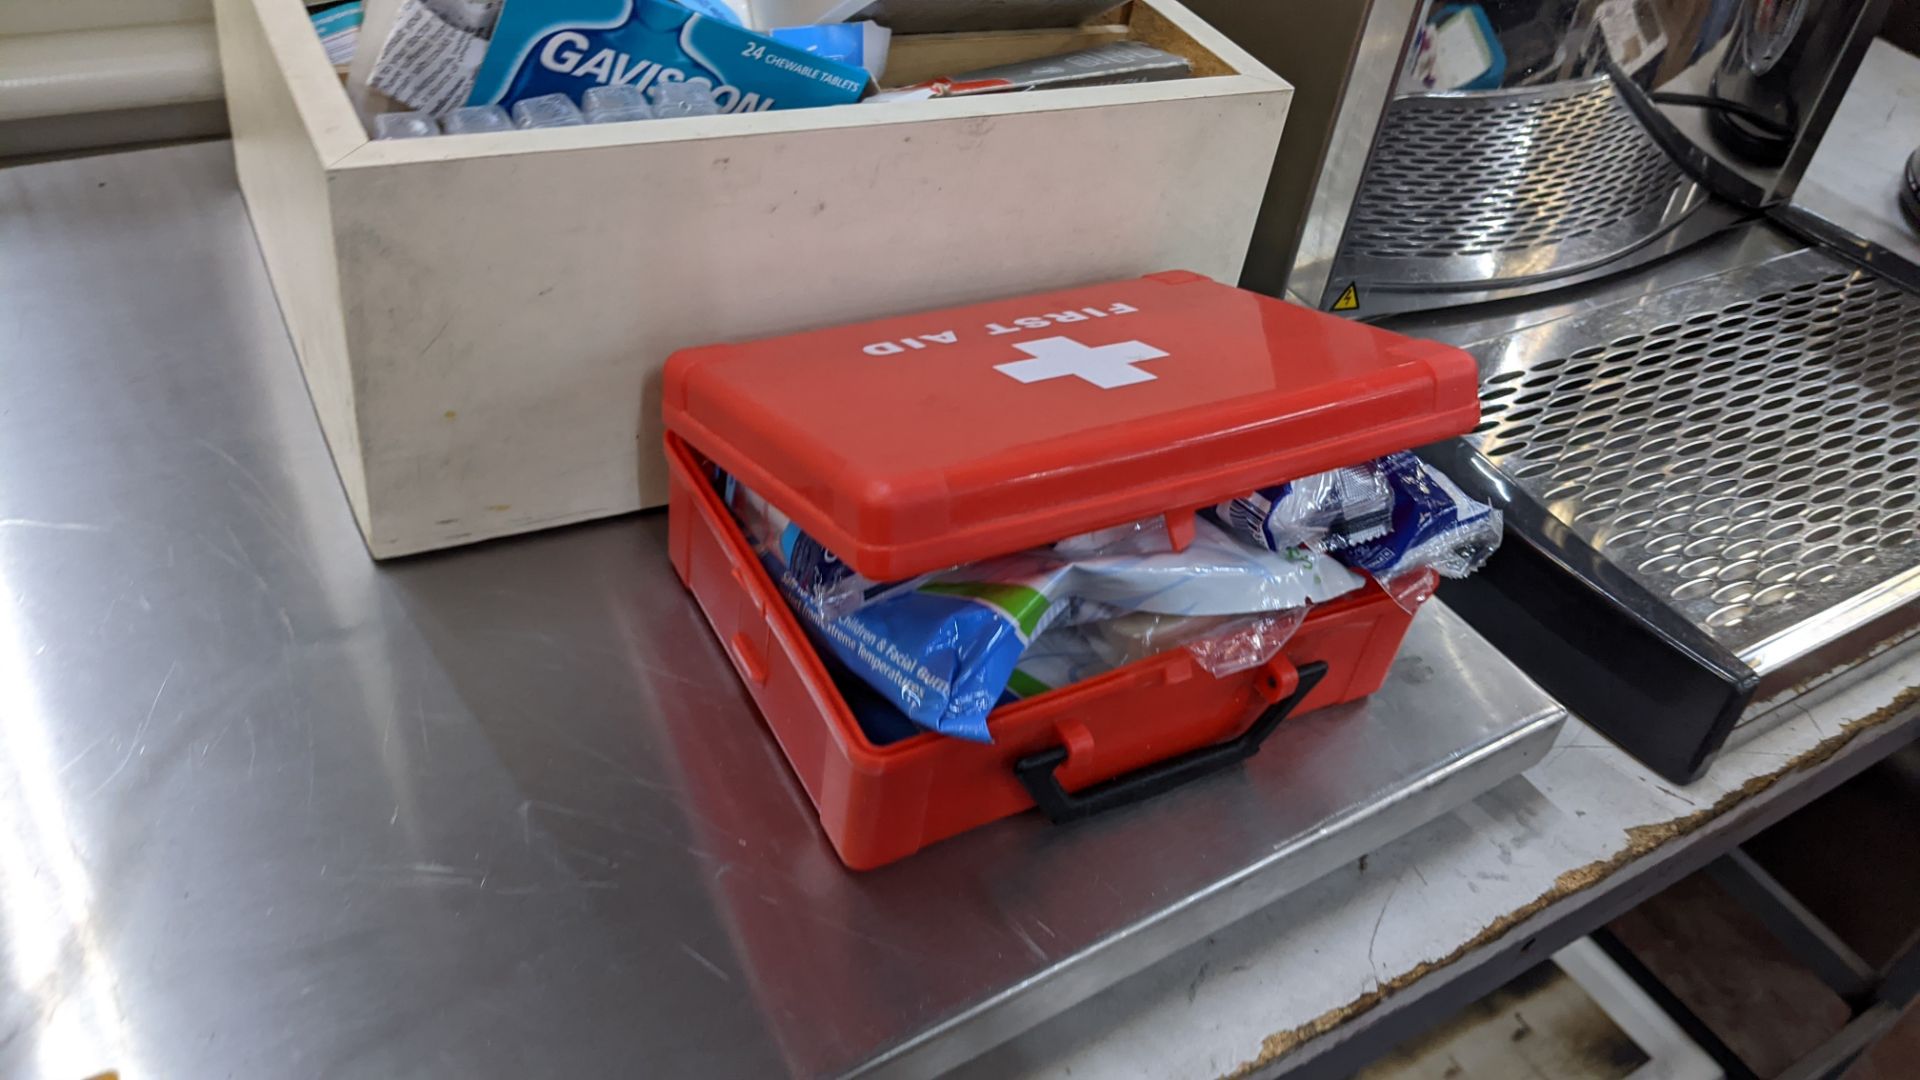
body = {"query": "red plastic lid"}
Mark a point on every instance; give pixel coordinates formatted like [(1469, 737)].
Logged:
[(916, 443)]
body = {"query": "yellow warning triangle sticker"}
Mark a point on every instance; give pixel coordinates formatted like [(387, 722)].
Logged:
[(1349, 299)]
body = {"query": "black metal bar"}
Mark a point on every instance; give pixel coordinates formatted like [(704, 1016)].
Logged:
[(1690, 1023), (1900, 983), (1844, 1047), (1810, 940)]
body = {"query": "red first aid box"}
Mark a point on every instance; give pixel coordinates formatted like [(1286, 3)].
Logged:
[(912, 444)]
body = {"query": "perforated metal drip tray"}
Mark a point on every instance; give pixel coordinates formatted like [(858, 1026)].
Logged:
[(1487, 187), (1718, 486)]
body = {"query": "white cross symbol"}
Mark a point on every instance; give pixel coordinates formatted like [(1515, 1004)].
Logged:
[(1106, 366)]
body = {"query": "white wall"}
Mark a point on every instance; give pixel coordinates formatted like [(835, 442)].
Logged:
[(85, 74)]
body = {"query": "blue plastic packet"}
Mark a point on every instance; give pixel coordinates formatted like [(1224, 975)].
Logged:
[(713, 9), (566, 46), (855, 44), (1435, 525), (879, 720), (941, 654)]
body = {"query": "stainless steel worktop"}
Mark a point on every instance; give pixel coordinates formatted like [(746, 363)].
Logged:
[(267, 808)]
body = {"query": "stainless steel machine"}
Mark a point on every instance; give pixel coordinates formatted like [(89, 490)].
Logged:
[(1494, 149), (1704, 432), (1712, 492)]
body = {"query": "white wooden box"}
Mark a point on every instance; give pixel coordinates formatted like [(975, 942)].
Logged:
[(482, 318)]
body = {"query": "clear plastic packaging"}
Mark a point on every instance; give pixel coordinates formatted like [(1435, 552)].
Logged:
[(1215, 575), (691, 97), (1435, 525), (547, 111), (615, 104), (1326, 511), (470, 119), (1330, 510), (944, 649), (1410, 588), (1246, 644), (1147, 536), (405, 125), (1223, 645)]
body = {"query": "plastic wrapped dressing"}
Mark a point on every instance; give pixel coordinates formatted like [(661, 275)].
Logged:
[(1329, 510), (1222, 644), (944, 649), (1326, 511), (1435, 525)]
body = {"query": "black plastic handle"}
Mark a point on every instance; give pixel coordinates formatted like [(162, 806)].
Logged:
[(1036, 771)]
